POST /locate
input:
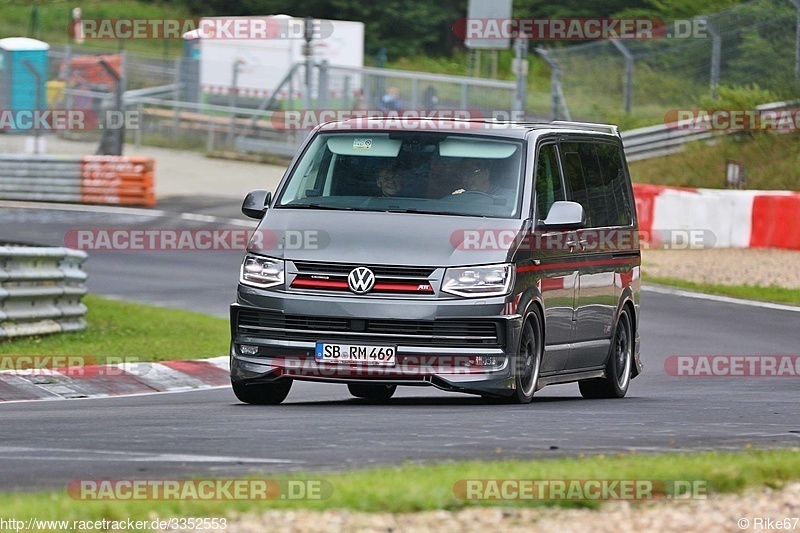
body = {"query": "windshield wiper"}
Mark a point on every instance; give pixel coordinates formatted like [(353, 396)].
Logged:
[(319, 206), (428, 212)]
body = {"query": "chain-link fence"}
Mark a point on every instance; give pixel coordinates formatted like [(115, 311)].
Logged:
[(215, 105), (755, 43)]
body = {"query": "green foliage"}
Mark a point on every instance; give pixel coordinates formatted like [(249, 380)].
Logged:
[(739, 98), (773, 294), (675, 9), (772, 161), (134, 331)]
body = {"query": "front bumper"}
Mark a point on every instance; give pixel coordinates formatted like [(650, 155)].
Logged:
[(285, 347)]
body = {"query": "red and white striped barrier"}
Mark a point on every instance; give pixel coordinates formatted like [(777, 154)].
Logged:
[(737, 219), (92, 381)]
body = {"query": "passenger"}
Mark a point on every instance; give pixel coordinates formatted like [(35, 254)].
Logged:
[(390, 181)]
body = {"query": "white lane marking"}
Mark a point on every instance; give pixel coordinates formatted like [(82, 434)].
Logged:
[(112, 210), (134, 211), (130, 456), (715, 298)]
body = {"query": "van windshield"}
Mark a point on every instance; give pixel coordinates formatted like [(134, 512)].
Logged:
[(410, 172)]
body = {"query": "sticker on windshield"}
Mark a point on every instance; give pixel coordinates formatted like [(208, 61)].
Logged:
[(364, 144)]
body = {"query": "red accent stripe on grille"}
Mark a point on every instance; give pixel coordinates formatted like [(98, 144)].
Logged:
[(331, 284), (341, 285), (403, 287)]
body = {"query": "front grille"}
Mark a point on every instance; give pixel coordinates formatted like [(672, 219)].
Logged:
[(380, 271), (463, 332)]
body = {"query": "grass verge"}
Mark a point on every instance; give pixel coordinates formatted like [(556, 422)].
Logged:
[(772, 163), (134, 331), (411, 488), (748, 292)]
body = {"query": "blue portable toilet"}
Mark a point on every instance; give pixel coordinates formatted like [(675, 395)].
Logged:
[(18, 85)]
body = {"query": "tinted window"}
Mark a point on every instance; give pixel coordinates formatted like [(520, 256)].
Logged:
[(596, 180), (410, 172), (548, 181), (610, 159)]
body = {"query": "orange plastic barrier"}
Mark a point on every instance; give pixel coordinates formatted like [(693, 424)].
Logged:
[(118, 180)]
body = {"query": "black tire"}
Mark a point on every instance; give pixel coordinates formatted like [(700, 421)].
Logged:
[(528, 362), (262, 393), (619, 366), (372, 392), (529, 358)]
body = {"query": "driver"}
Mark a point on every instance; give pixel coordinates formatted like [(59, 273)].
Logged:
[(476, 176)]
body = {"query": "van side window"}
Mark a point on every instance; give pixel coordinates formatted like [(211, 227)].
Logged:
[(548, 181), (619, 198), (595, 178)]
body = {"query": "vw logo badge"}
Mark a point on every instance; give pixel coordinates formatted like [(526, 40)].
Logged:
[(361, 280)]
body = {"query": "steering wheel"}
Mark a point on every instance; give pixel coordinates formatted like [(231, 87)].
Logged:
[(471, 192)]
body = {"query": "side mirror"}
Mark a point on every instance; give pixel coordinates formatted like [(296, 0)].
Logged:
[(565, 216), (256, 203)]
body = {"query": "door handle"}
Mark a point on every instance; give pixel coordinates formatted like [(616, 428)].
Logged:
[(573, 244)]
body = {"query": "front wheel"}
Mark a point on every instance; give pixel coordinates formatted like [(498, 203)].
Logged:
[(372, 392), (529, 359), (262, 393), (618, 368)]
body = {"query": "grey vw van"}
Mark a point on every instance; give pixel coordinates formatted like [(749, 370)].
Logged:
[(468, 255)]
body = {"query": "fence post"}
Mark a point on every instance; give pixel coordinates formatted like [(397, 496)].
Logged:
[(629, 59), (346, 93), (557, 100), (210, 139), (322, 90), (716, 53), (520, 75), (176, 96), (138, 134), (232, 99), (797, 43)]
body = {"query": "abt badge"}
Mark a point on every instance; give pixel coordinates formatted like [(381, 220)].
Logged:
[(361, 280)]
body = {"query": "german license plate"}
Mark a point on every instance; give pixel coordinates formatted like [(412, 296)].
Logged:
[(356, 354)]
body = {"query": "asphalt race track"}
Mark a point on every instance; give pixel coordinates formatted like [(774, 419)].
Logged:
[(46, 444)]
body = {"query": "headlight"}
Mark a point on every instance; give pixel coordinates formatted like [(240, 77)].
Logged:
[(261, 271), (491, 280)]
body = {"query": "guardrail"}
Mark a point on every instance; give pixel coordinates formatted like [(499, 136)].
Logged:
[(665, 139), (117, 180), (41, 290)]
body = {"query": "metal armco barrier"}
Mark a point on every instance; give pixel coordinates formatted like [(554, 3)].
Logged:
[(41, 290), (663, 139), (116, 180)]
